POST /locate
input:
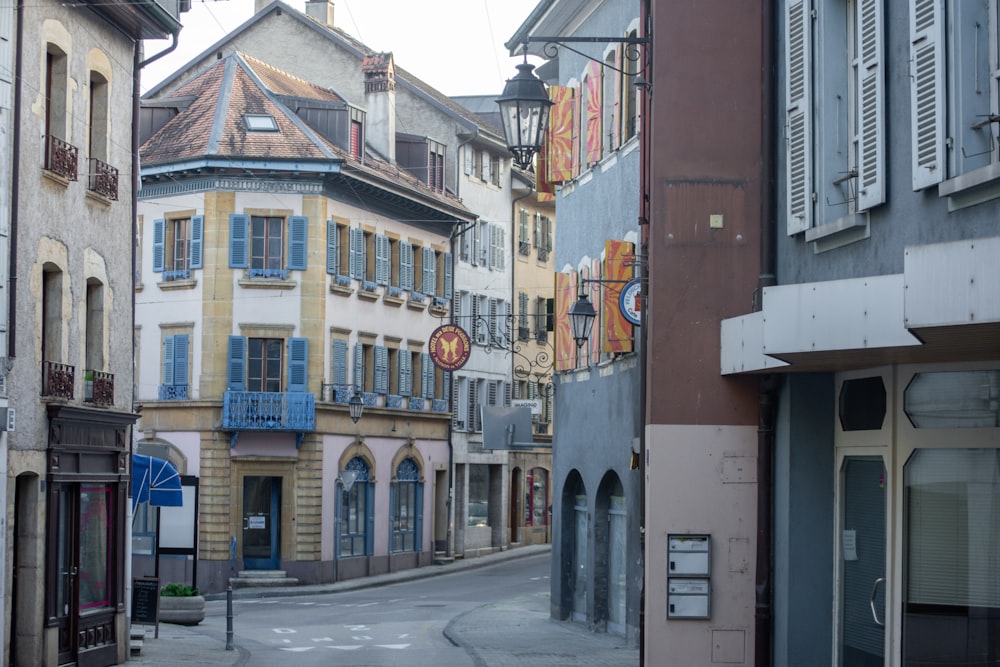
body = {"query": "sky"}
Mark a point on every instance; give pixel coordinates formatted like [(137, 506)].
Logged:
[(456, 46)]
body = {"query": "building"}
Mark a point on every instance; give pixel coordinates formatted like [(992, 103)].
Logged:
[(880, 337), (286, 266), (67, 89), (592, 164)]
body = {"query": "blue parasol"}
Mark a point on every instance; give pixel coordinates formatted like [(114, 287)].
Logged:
[(156, 481)]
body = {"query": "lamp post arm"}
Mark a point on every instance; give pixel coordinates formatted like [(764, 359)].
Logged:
[(552, 44)]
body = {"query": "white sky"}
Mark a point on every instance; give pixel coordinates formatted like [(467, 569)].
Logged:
[(456, 46)]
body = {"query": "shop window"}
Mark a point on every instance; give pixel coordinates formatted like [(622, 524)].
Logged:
[(862, 404)]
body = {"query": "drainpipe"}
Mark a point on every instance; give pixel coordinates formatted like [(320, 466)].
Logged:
[(645, 160), (15, 184), (768, 384)]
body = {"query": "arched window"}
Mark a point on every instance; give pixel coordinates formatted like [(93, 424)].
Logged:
[(407, 507), (356, 500)]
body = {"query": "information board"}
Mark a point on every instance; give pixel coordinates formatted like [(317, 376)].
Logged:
[(145, 600)]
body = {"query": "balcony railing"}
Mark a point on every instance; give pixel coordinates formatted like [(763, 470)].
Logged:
[(103, 179), (58, 380), (173, 392), (61, 158), (99, 387), (440, 405), (268, 411)]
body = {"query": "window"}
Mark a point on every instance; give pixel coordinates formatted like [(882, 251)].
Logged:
[(459, 406), (357, 140), (477, 391), (523, 239), (356, 501), (177, 246), (260, 122), (52, 293), (175, 368), (406, 268), (479, 495), (60, 157), (338, 246), (407, 507), (834, 110), (955, 92), (497, 247), (523, 331), (98, 141), (443, 273), (364, 367), (94, 342), (496, 170), (630, 112), (428, 271), (257, 243), (435, 167), (611, 101), (952, 571), (264, 364)]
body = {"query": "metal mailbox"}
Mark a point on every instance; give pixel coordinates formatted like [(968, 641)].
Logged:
[(689, 576)]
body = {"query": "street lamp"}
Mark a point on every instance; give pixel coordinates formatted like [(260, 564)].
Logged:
[(524, 112), (581, 319), (356, 406)]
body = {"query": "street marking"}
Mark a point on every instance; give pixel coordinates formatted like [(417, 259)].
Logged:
[(362, 638), (393, 646), (356, 628), (345, 648), (322, 639), (298, 649), (403, 636), (284, 631)]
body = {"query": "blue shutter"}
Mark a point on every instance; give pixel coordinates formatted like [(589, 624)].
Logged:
[(429, 278), (359, 367), (168, 361), (298, 357), (382, 259), (447, 276), (381, 369), (297, 231), (238, 229), (340, 362), (159, 235), (197, 239), (446, 385), (332, 249), (358, 253), (405, 373), (406, 266), (237, 363), (427, 375), (180, 360)]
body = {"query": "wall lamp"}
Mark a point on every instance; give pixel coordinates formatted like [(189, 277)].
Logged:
[(525, 104), (355, 406), (582, 313)]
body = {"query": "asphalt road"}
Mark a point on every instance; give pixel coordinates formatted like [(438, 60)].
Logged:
[(397, 624)]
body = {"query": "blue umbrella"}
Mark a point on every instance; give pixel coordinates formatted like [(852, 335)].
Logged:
[(155, 481)]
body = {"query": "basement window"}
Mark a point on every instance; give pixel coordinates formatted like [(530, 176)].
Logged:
[(260, 122)]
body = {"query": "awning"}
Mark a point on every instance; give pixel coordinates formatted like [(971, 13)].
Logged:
[(155, 481)]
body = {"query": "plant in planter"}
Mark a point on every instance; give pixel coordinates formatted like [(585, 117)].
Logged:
[(181, 604)]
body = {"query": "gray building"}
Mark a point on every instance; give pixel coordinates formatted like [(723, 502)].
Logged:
[(883, 334), (592, 162)]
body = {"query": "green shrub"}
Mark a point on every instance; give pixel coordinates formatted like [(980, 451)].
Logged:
[(179, 591)]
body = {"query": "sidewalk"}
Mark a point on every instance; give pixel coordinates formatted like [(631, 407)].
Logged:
[(485, 633)]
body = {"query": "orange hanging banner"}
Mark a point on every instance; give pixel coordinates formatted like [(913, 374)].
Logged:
[(559, 151), (594, 112), (565, 292)]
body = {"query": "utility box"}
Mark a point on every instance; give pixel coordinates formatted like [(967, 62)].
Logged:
[(689, 576)]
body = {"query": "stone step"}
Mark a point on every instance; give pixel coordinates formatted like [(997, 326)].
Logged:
[(263, 574), (247, 580), (135, 639)]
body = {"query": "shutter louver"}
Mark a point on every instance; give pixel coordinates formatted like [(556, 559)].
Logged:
[(197, 241), (168, 361), (238, 229), (180, 360), (332, 249), (236, 379), (927, 91), (381, 369), (799, 117), (340, 363), (448, 280), (297, 231), (382, 259), (298, 358), (871, 124), (159, 237)]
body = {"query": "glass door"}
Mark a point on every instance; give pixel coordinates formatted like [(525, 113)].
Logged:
[(261, 521), (862, 553)]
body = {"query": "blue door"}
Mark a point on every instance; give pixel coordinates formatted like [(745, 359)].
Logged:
[(261, 521)]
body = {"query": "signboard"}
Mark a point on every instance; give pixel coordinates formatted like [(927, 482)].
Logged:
[(533, 404), (257, 522), (145, 600), (450, 347), (629, 301)]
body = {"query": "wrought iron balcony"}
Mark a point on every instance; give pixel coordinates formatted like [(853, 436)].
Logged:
[(335, 393), (440, 405), (58, 380), (173, 392), (99, 387), (268, 411), (103, 179), (61, 158), (416, 403)]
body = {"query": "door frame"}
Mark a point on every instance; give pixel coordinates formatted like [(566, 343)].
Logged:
[(273, 562)]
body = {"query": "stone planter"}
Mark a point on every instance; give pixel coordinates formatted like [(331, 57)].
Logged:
[(188, 610)]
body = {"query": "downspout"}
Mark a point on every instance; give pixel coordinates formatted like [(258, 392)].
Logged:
[(645, 159), (15, 184), (768, 384)]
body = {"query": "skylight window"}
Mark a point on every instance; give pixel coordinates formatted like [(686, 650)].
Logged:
[(260, 122)]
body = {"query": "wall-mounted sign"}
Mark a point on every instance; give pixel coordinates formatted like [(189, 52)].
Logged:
[(630, 302), (533, 404), (450, 347)]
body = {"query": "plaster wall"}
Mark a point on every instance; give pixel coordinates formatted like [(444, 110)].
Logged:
[(706, 485)]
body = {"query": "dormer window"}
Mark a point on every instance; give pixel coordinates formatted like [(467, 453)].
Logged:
[(260, 122)]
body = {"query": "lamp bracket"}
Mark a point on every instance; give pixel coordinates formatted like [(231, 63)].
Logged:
[(551, 44)]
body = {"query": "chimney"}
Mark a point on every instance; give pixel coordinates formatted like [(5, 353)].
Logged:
[(380, 98), (321, 10), (258, 5)]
